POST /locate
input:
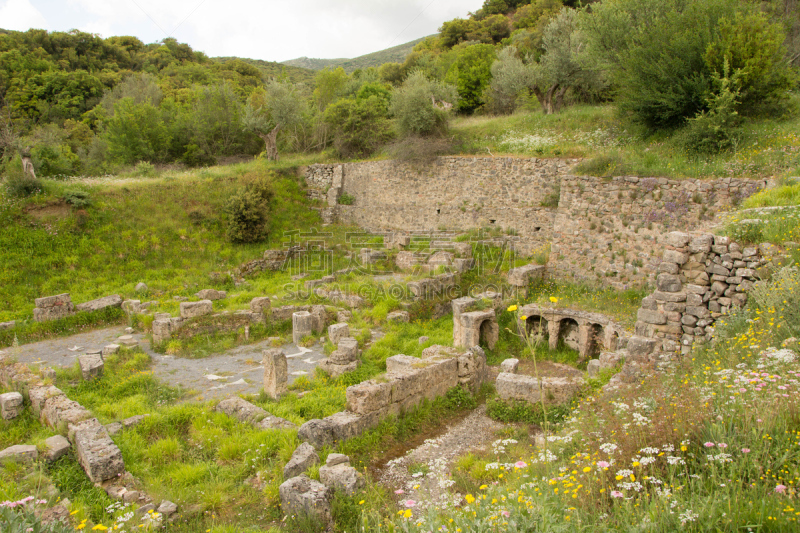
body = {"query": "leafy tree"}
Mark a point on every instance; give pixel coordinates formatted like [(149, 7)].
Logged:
[(471, 74), (136, 132), (277, 106), (329, 86), (215, 120), (655, 51), (141, 87), (510, 77), (247, 211), (360, 125), (561, 66), (420, 106)]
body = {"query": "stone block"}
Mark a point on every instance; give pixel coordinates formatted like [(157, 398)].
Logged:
[(640, 346), (334, 369), (91, 366), (57, 446), (669, 268), (368, 396), (195, 309), (651, 317), (344, 316), (96, 452), (701, 243), (261, 304), (342, 477), (53, 313), (401, 363), (440, 259), (245, 411), (673, 256), (510, 366), (346, 351), (669, 296), (408, 260), (593, 367), (522, 276), (61, 411), (211, 294), (19, 453), (668, 283), (39, 395), (60, 300), (10, 405), (305, 497), (303, 324), (678, 239), (167, 508), (303, 458), (115, 300), (275, 373), (110, 349), (7, 325), (337, 332), (398, 316), (518, 387)]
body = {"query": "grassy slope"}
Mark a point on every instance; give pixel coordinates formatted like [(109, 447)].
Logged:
[(769, 147), (395, 54)]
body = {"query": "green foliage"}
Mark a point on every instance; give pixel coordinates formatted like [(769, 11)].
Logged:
[(23, 518), (20, 185), (137, 132), (717, 129), (360, 125), (413, 109), (248, 212), (519, 411), (346, 199), (55, 160), (77, 198), (471, 74)]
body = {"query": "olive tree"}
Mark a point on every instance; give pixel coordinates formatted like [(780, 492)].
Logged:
[(277, 106)]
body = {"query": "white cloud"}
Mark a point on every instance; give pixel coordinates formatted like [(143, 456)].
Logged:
[(20, 15), (274, 30)]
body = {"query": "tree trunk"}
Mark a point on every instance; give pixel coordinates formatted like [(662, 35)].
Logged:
[(541, 97), (271, 142), (559, 103), (549, 99)]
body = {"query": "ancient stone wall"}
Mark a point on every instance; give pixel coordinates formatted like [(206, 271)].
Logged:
[(599, 228)]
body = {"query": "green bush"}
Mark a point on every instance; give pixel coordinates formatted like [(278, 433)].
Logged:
[(346, 199), (717, 129), (194, 156), (248, 212), (412, 107), (76, 198), (55, 160), (23, 518)]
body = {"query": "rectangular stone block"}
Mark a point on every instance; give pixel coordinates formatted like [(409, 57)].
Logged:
[(195, 309), (368, 396), (260, 304), (115, 300), (39, 395), (651, 317), (10, 405), (91, 365), (57, 446), (401, 363), (100, 458), (20, 453), (53, 313), (518, 387), (60, 300), (276, 373)]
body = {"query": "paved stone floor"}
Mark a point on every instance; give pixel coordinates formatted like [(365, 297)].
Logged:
[(236, 371)]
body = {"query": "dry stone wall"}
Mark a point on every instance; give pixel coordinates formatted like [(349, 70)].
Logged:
[(606, 228)]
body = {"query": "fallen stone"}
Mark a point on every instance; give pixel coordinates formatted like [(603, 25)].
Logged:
[(140, 287), (211, 294), (510, 365), (100, 458), (398, 316), (110, 349), (260, 304), (115, 300), (344, 316), (346, 351), (303, 324), (10, 405), (303, 458), (522, 276), (132, 421), (39, 395), (7, 325), (167, 508), (337, 369), (91, 366), (593, 368), (113, 428), (303, 496), (424, 339), (19, 453), (342, 477), (57, 446), (334, 459), (245, 411)]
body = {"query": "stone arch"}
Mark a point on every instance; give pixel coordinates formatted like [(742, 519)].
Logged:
[(569, 333), (489, 333), (536, 326), (596, 341)]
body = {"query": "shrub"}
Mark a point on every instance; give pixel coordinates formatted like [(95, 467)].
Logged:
[(248, 212), (416, 114), (194, 156), (76, 198), (346, 199)]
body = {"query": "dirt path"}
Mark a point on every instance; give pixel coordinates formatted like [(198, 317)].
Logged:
[(422, 474), (237, 371)]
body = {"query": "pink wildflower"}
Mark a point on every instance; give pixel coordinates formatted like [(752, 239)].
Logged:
[(616, 494), (603, 464), (722, 445), (409, 503), (745, 450), (520, 464), (399, 491), (505, 513), (742, 390), (709, 444), (780, 489)]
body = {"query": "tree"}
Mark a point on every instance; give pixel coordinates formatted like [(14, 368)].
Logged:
[(421, 105), (510, 77), (360, 125), (269, 110), (136, 132), (655, 52), (471, 74), (561, 66)]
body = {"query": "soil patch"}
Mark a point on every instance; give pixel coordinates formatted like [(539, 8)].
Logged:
[(548, 369), (57, 210)]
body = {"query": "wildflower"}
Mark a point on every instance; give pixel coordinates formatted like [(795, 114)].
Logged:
[(745, 450), (399, 491), (780, 489), (505, 513), (409, 503), (470, 498), (512, 308), (483, 487), (722, 445), (520, 464), (99, 527), (554, 299), (603, 464), (709, 444), (408, 513), (361, 502), (616, 494)]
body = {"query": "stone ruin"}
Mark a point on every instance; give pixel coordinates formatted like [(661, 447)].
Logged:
[(587, 333), (61, 306), (473, 327), (406, 383)]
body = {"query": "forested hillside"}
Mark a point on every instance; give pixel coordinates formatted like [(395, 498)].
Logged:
[(691, 71), (375, 59)]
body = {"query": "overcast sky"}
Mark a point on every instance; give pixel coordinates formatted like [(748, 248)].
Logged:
[(274, 30)]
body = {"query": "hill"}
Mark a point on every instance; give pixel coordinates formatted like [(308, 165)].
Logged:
[(395, 54), (295, 74)]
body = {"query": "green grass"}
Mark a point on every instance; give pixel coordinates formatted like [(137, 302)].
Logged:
[(768, 147)]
